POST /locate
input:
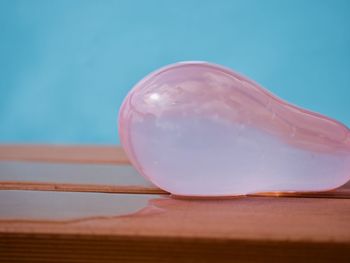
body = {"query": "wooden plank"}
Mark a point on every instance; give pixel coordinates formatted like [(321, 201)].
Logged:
[(248, 218), (100, 174), (64, 153), (83, 227), (64, 206)]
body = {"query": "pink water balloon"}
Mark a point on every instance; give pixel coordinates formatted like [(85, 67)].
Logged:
[(199, 129)]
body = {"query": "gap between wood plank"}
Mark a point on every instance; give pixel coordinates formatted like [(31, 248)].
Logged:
[(36, 186)]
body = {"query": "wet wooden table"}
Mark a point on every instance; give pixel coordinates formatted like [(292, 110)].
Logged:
[(87, 204)]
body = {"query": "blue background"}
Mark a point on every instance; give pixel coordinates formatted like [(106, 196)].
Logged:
[(66, 65)]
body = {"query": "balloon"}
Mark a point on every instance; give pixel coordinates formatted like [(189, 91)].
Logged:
[(199, 129)]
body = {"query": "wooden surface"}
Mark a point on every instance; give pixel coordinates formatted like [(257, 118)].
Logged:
[(87, 204), (60, 153)]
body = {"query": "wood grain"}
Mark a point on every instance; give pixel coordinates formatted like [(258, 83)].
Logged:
[(110, 248)]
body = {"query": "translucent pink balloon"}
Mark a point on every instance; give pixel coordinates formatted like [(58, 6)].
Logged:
[(198, 129)]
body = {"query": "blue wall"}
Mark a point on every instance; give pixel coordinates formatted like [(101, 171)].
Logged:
[(65, 66)]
